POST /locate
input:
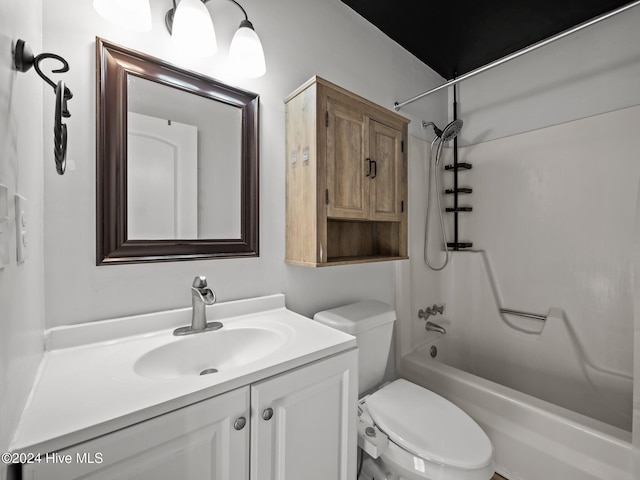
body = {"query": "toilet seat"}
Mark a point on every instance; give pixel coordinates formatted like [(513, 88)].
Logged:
[(429, 427)]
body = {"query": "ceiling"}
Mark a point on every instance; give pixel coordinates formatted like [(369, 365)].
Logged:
[(456, 37)]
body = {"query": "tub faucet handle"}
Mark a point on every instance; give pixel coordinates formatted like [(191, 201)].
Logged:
[(427, 312)]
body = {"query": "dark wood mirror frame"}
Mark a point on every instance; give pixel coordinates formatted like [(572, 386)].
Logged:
[(113, 64)]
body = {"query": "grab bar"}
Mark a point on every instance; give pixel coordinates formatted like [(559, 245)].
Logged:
[(524, 314)]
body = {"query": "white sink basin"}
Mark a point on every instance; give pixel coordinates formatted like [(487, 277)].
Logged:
[(210, 352)]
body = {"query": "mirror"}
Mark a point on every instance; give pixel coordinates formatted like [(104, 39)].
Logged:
[(183, 164), (177, 162)]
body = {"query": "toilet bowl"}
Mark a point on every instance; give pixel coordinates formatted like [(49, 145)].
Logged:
[(428, 436), (406, 432)]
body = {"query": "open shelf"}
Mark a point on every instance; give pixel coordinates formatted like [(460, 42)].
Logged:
[(362, 240)]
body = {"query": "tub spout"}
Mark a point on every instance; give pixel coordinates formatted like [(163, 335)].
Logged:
[(434, 327)]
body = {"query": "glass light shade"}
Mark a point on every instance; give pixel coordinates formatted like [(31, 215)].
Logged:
[(246, 56), (130, 14), (192, 32)]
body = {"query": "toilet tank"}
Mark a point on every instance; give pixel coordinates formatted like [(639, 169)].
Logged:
[(371, 322)]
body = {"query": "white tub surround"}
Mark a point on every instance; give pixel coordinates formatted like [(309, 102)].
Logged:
[(545, 358), (91, 382), (548, 205)]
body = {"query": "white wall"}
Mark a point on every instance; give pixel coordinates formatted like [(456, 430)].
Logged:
[(636, 342), (300, 38), (21, 165)]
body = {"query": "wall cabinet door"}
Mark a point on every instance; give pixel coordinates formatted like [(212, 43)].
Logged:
[(303, 423), (196, 442), (385, 152), (348, 170)]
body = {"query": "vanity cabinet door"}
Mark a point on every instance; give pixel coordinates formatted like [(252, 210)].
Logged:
[(303, 423), (200, 442)]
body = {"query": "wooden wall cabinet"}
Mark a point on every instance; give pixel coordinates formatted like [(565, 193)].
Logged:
[(346, 188)]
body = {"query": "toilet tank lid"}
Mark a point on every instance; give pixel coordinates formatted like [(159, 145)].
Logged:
[(357, 317)]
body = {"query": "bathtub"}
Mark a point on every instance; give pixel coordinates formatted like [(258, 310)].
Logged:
[(533, 439)]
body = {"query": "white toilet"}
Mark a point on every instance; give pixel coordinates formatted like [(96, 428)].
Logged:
[(407, 431)]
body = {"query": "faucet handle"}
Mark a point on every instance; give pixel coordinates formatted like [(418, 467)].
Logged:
[(199, 282), (427, 312)]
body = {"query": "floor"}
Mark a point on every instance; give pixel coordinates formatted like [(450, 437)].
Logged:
[(498, 477)]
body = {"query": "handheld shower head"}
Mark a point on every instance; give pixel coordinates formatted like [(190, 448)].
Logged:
[(449, 132)]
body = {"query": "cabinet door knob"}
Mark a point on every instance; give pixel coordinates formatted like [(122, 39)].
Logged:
[(368, 160), (375, 169), (239, 423), (267, 413)]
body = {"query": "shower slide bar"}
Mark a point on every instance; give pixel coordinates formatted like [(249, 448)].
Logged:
[(542, 318), (535, 46)]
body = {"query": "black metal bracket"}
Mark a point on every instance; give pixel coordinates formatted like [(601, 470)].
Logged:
[(459, 245), (23, 60), (168, 18), (458, 191), (458, 166)]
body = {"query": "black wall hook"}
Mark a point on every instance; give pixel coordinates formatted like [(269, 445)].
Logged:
[(23, 60)]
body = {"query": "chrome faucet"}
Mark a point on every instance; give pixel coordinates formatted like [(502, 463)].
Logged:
[(434, 327), (427, 312), (201, 296)]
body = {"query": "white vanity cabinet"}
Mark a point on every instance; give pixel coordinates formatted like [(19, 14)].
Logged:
[(300, 424), (195, 442)]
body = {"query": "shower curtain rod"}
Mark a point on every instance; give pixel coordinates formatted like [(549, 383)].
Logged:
[(519, 53)]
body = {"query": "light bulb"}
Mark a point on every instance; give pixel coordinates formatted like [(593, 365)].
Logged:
[(246, 56), (192, 32), (130, 14)]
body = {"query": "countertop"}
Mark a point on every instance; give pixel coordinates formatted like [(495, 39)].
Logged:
[(86, 385)]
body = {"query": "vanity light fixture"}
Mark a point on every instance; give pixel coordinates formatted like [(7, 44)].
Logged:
[(130, 14), (245, 52), (191, 27)]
